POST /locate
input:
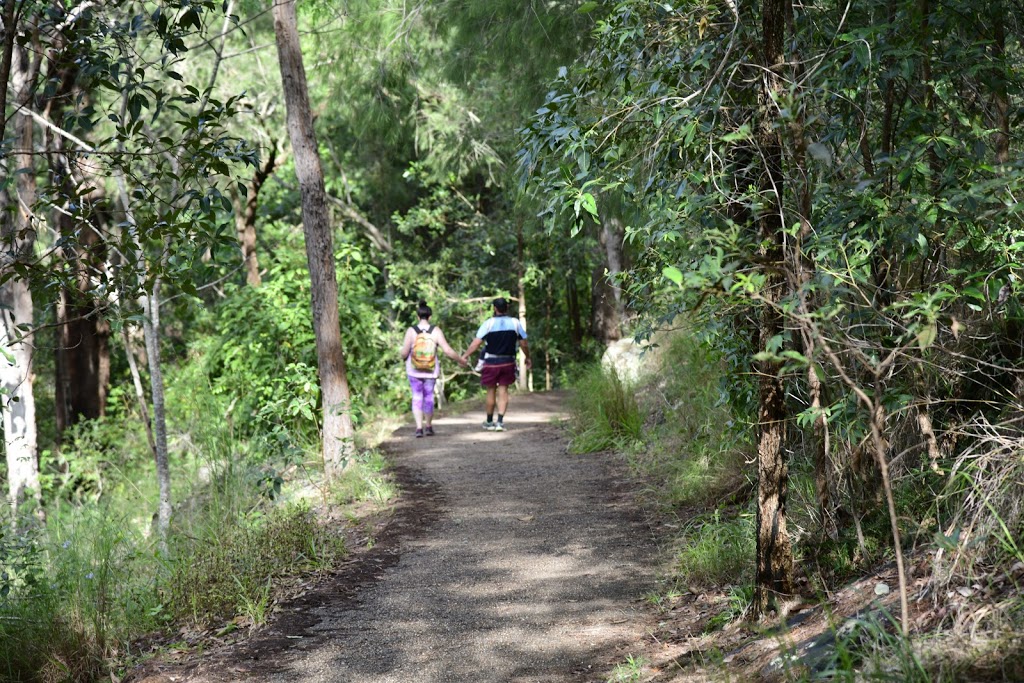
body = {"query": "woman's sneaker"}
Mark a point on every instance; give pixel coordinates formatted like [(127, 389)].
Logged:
[(428, 431), (419, 433)]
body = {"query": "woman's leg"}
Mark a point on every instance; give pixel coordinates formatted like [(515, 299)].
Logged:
[(416, 384), (428, 402)]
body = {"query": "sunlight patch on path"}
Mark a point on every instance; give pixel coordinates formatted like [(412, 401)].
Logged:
[(533, 573)]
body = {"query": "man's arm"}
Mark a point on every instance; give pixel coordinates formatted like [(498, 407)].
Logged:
[(525, 346), (472, 347), (448, 350)]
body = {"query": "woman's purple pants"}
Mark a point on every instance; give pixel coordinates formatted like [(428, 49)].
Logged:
[(422, 394)]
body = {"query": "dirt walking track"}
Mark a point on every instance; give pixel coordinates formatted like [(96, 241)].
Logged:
[(509, 560)]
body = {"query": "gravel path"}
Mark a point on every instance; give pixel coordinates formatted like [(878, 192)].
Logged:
[(525, 563)]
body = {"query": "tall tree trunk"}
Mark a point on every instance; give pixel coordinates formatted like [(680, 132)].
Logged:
[(573, 310), (524, 379), (774, 552), (7, 56), (612, 236), (16, 308), (151, 330), (1000, 95), (604, 325), (338, 431), (245, 221), (82, 355), (606, 312), (16, 378), (83, 335), (549, 303)]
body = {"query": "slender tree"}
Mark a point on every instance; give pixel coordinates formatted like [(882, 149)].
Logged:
[(337, 418), (774, 576), (17, 235)]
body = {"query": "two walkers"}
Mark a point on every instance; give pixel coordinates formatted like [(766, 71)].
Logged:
[(501, 334)]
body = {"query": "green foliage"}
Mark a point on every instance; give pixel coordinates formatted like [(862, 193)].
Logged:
[(229, 570), (695, 446), (629, 670), (873, 649), (717, 551), (365, 480), (605, 413), (81, 599), (738, 604)]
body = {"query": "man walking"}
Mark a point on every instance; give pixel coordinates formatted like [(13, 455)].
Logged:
[(501, 334)]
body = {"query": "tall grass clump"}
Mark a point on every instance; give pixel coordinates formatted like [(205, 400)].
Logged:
[(695, 445), (74, 594), (605, 412), (716, 551), (229, 569), (78, 590)]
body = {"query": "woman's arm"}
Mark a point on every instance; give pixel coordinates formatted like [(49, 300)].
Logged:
[(448, 350), (407, 344)]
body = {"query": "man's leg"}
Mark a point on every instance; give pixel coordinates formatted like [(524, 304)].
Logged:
[(489, 403), (502, 400)]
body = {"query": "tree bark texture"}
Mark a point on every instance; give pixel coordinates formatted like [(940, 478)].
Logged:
[(16, 307), (82, 356), (774, 576), (83, 335), (603, 326), (245, 222), (613, 234), (19, 407), (338, 430), (573, 309), (523, 379), (607, 311), (151, 329)]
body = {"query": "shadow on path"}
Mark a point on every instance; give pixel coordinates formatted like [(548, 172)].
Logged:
[(509, 560)]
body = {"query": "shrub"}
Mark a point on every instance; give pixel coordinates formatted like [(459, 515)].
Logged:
[(605, 413), (226, 570), (717, 552)]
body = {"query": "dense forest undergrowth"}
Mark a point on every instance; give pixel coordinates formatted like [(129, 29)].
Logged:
[(690, 454)]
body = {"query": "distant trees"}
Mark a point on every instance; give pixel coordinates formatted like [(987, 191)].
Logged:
[(127, 201)]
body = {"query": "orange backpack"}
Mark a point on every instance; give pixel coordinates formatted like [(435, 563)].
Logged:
[(424, 349)]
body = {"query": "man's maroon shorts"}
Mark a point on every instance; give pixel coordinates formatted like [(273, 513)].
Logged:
[(498, 375)]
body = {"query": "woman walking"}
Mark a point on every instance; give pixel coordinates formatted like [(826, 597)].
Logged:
[(422, 366)]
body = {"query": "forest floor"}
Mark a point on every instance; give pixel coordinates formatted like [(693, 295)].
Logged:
[(508, 559)]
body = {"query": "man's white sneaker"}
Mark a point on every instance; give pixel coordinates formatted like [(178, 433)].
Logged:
[(490, 426), (499, 427)]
